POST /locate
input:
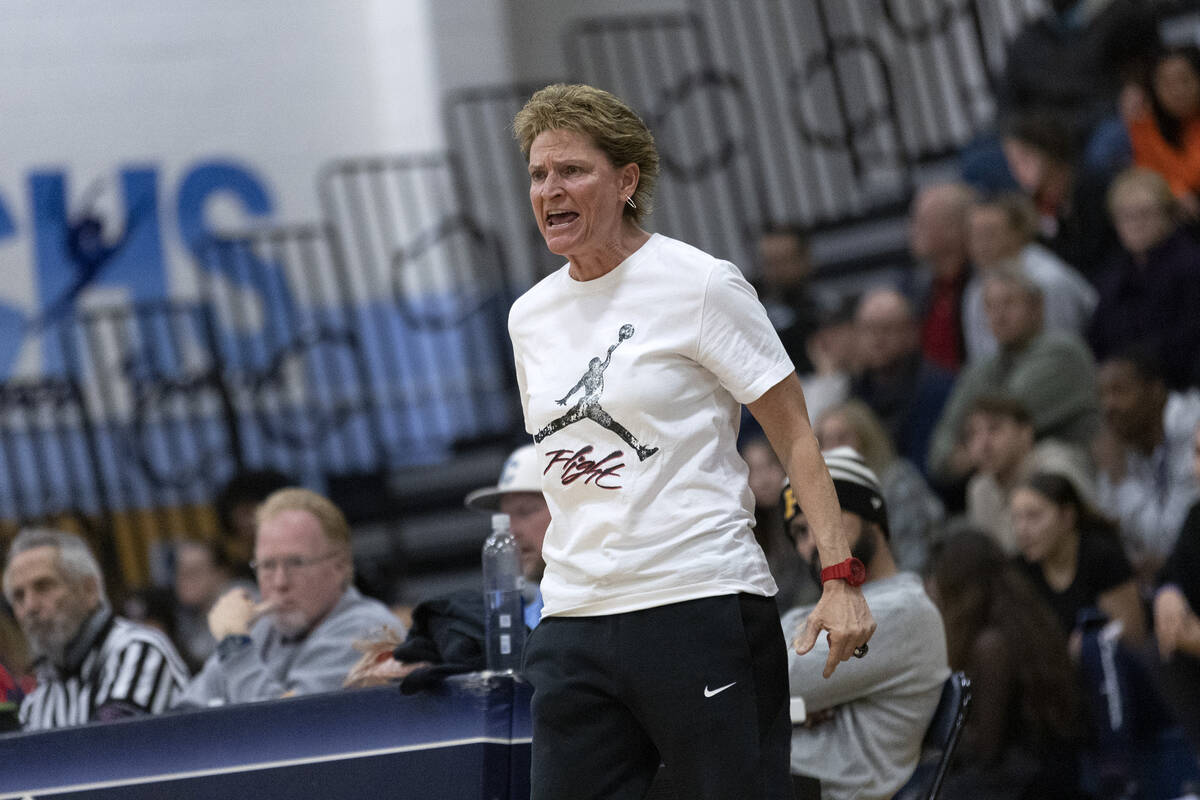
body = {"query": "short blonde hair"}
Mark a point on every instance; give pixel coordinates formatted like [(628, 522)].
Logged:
[(605, 119), (878, 451), (331, 519), (1143, 178)]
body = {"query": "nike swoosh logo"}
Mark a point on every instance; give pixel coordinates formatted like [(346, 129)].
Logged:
[(710, 693)]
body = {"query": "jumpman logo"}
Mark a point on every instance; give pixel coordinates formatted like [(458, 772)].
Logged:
[(588, 407)]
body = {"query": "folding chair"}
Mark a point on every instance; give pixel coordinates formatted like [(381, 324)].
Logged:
[(941, 737)]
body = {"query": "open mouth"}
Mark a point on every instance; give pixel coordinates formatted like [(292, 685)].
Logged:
[(557, 219)]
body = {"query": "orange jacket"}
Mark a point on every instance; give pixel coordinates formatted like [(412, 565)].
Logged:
[(1181, 168)]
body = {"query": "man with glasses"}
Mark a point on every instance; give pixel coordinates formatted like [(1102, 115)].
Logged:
[(298, 639)]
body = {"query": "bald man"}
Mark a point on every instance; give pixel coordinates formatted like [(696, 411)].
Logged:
[(897, 381), (937, 237)]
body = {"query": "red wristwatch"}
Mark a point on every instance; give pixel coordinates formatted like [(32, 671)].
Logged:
[(851, 571)]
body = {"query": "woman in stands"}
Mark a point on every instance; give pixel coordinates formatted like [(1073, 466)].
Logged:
[(1025, 724), (1149, 286), (659, 639), (1164, 124), (1073, 556)]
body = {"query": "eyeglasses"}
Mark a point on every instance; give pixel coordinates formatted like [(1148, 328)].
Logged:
[(289, 565)]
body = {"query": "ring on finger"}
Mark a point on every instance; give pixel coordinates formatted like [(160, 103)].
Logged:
[(861, 650)]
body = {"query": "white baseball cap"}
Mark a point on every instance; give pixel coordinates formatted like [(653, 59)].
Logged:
[(520, 474)]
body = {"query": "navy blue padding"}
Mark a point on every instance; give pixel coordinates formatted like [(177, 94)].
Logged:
[(468, 738)]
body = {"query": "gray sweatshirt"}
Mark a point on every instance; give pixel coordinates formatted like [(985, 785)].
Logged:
[(269, 665), (881, 703)]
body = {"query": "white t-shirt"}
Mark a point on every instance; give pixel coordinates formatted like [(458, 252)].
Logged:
[(631, 385)]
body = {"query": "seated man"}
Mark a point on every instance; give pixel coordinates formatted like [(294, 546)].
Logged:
[(999, 438), (904, 388), (864, 726), (448, 630), (299, 639), (1145, 455), (1051, 371), (202, 575), (91, 665)]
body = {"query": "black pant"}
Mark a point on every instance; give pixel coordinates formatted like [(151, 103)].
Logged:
[(700, 685)]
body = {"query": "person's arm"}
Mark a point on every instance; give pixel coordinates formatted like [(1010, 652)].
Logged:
[(842, 610), (320, 664), (860, 678), (142, 678), (907, 654), (1122, 602)]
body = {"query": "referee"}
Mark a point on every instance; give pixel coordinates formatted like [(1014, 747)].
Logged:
[(91, 665)]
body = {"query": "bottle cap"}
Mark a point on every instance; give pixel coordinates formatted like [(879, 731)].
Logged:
[(500, 522)]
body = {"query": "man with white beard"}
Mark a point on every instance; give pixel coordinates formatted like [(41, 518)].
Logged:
[(91, 665), (299, 638)]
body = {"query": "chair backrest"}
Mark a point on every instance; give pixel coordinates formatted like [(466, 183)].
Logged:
[(941, 737)]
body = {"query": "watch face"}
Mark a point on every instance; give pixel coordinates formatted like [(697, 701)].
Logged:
[(858, 573)]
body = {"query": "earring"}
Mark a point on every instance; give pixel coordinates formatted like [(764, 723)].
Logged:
[(629, 202)]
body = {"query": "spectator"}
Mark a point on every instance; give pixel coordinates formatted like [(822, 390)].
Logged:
[(1000, 443), (449, 630), (784, 289), (1073, 555), (1150, 286), (862, 735), (904, 388), (1051, 371), (1074, 559), (1164, 126), (937, 239), (1023, 733), (833, 352), (913, 509), (91, 665), (202, 575), (1176, 621), (766, 476), (1071, 217), (235, 505), (518, 493), (1145, 457), (299, 639), (1001, 231), (1072, 63)]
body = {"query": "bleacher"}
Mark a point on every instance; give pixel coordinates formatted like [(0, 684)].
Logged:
[(380, 370)]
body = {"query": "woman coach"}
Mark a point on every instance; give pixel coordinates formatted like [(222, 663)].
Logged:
[(658, 638)]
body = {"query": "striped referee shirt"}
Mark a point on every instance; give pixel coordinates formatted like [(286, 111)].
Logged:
[(115, 668)]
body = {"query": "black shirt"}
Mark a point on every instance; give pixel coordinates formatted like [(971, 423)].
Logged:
[(1101, 566)]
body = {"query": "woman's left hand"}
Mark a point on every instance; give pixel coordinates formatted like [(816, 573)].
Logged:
[(843, 612)]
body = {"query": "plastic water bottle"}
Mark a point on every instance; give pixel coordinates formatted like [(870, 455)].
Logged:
[(504, 621)]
